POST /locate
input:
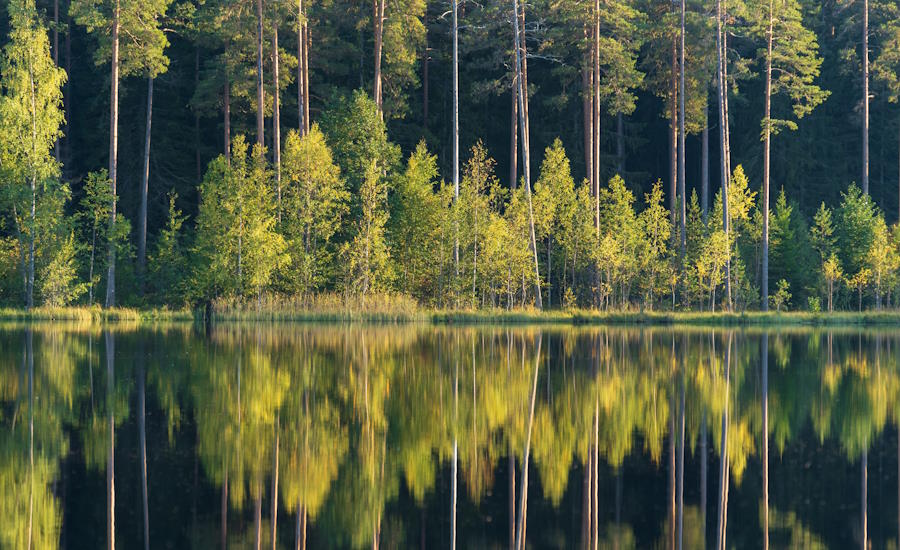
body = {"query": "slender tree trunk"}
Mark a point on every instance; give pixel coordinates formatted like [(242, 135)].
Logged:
[(523, 493), (680, 459), (765, 438), (725, 171), (767, 141), (301, 97), (274, 526), (526, 159), (453, 491), (226, 100), (260, 92), (597, 120), (145, 182), (864, 485), (276, 116), (673, 134), (306, 95), (723, 458), (56, 152), (512, 499), (865, 75), (426, 58), (142, 435), (379, 36), (111, 455), (681, 152), (704, 468), (514, 137), (704, 165), (197, 162), (113, 160), (620, 144), (587, 106), (455, 84)]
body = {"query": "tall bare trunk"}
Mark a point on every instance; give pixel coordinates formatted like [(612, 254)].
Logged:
[(301, 96), (142, 436), (767, 158), (260, 93), (379, 40), (111, 455), (113, 159), (145, 183), (526, 159), (226, 100), (620, 144), (596, 115), (523, 493), (865, 75), (426, 58), (514, 136), (681, 152), (587, 106), (673, 133), (56, 152), (276, 115), (306, 44), (197, 164), (704, 165), (725, 171), (765, 437), (455, 83), (32, 233)]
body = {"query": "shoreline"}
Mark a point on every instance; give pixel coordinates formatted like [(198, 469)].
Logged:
[(462, 317)]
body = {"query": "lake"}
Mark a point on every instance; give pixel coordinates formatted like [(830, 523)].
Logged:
[(389, 435)]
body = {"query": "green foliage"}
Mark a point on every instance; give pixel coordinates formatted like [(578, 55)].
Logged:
[(60, 284), (314, 203), (366, 256), (169, 262), (782, 297)]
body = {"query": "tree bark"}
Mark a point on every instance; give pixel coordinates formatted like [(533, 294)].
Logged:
[(596, 114), (379, 38), (306, 43), (681, 153), (513, 137), (767, 140), (455, 84), (620, 144), (587, 106), (260, 93), (276, 116), (526, 161), (113, 160), (425, 62), (673, 133), (725, 168), (226, 100), (765, 438), (197, 163), (301, 97), (56, 152), (145, 183), (704, 165), (865, 124)]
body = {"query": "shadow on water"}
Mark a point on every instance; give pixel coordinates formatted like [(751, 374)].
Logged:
[(421, 436)]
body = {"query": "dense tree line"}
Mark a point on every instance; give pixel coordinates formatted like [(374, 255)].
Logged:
[(348, 195)]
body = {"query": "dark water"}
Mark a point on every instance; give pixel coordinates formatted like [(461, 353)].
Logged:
[(350, 436)]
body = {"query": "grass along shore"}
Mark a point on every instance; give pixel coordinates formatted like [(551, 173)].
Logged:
[(402, 309)]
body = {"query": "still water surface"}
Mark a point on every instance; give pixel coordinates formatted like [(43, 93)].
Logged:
[(357, 436)]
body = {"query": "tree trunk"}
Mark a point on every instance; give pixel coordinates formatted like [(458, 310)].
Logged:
[(454, 482), (673, 134), (767, 140), (306, 43), (587, 107), (513, 137), (111, 455), (681, 153), (765, 438), (596, 114), (725, 169), (142, 436), (620, 144), (865, 75), (301, 97), (145, 182), (680, 459), (113, 160), (864, 506), (56, 152), (723, 458), (523, 493), (276, 116), (198, 164), (226, 100), (526, 159), (704, 165), (379, 36), (455, 84), (260, 93), (425, 62)]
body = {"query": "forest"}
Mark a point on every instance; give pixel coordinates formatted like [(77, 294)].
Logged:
[(691, 155)]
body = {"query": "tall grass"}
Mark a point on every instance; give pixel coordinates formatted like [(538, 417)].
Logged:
[(321, 307)]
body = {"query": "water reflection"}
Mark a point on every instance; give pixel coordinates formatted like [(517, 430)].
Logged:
[(400, 436)]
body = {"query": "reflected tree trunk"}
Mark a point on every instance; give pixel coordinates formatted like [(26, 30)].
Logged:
[(512, 499), (142, 437), (110, 458), (454, 482), (704, 468), (680, 459), (275, 484), (864, 484), (723, 457), (765, 437), (523, 494), (29, 357)]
